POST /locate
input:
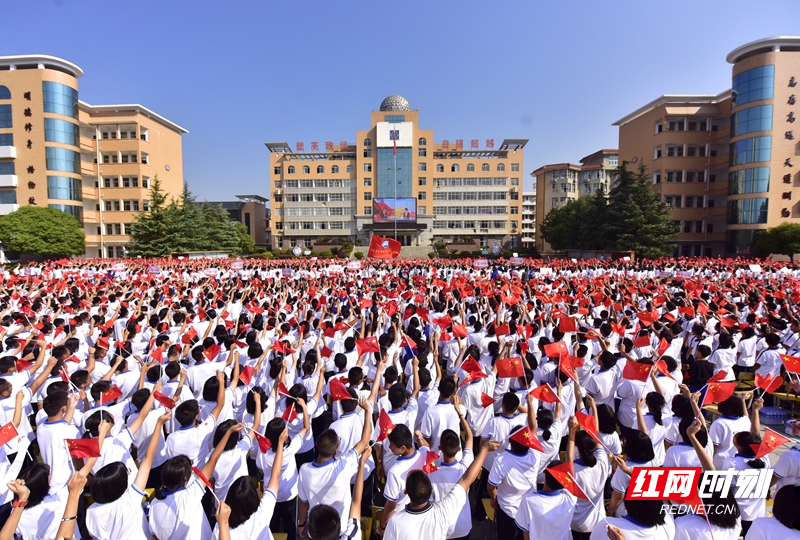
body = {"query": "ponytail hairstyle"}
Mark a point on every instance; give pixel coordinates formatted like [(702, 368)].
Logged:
[(586, 447), (655, 402), (545, 420), (175, 474), (743, 441)]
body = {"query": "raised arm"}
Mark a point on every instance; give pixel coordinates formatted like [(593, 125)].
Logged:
[(475, 468), (463, 419), (146, 408), (366, 432), (358, 487), (211, 464), (147, 463), (275, 475), (220, 396), (702, 455)]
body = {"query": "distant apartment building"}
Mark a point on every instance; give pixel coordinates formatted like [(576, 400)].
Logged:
[(94, 162), (529, 218), (726, 163), (252, 212), (559, 183)]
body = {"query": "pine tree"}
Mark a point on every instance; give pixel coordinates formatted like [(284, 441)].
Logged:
[(150, 230)]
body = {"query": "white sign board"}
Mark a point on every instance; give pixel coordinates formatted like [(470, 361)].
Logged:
[(211, 272), (335, 269), (237, 265), (354, 265), (755, 268), (154, 270), (481, 263), (516, 261), (287, 272), (545, 271), (118, 267)]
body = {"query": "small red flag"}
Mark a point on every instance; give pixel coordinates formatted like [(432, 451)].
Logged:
[(662, 368), (430, 466), (545, 393), (281, 347), (74, 359), (367, 345), (460, 331), (473, 376), (166, 401), (408, 342), (525, 437), (567, 325), (646, 318), (502, 330), (157, 354), (771, 441), (588, 424), (636, 371), (264, 444), (289, 415), (663, 345), (556, 350), (768, 383), (23, 365), (187, 338), (385, 426), (202, 478), (718, 376), (486, 400), (325, 351), (792, 363), (565, 475), (619, 329), (443, 322), (642, 342), (703, 309), (212, 352), (510, 367), (246, 374), (102, 343), (568, 369), (470, 364), (110, 395), (719, 391), (338, 390), (283, 391), (8, 432), (83, 448)]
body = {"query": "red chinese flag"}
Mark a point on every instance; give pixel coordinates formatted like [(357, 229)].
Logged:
[(329, 332), (663, 345), (23, 365), (588, 424), (383, 248), (792, 363), (166, 401), (390, 308), (718, 376), (545, 393), (246, 374), (770, 442), (110, 395), (430, 466), (102, 343), (525, 437), (408, 342), (556, 350), (212, 352), (568, 370), (325, 351), (510, 367), (719, 391), (289, 415), (646, 318), (703, 309), (460, 331), (443, 322), (471, 365), (768, 384), (576, 361), (385, 426), (64, 375), (641, 342), (281, 347), (689, 311), (565, 475), (338, 390), (367, 345), (567, 325), (636, 371), (187, 338), (83, 448), (501, 330), (74, 359), (619, 329), (283, 391), (8, 432), (263, 443), (157, 354), (661, 366), (202, 478), (729, 322), (486, 400), (473, 376)]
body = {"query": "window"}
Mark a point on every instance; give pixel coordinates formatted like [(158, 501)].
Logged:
[(74, 211), (613, 161), (673, 201), (422, 210), (367, 196), (129, 158), (689, 201), (753, 150), (146, 206), (422, 167), (110, 182), (276, 170), (367, 152), (515, 210), (350, 168), (501, 167), (515, 167), (145, 182), (676, 125), (748, 211), (367, 210), (422, 141), (694, 150), (752, 119), (8, 196), (61, 159), (485, 167), (5, 116), (61, 131), (320, 169), (470, 167), (675, 150), (291, 169), (749, 181), (555, 202), (7, 167), (439, 168), (111, 206), (515, 181), (130, 206), (657, 177), (422, 196), (753, 85), (422, 181), (128, 228), (60, 99), (367, 167), (306, 169), (6, 139), (656, 152), (422, 152), (674, 176), (5, 93), (455, 168), (367, 182), (335, 169), (367, 142)]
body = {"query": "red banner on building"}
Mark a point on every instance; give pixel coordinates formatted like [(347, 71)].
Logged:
[(383, 248)]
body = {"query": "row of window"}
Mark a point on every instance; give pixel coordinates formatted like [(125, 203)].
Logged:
[(459, 182), (126, 182), (680, 124), (131, 205), (693, 226), (324, 211), (5, 116), (330, 183), (556, 202), (753, 85), (687, 201), (681, 176), (682, 150), (470, 196), (7, 167), (120, 251), (61, 131), (748, 181), (439, 224), (752, 119), (753, 150), (315, 225), (125, 157), (61, 159), (748, 211), (469, 210), (315, 197), (60, 99), (118, 228), (422, 166), (127, 132), (65, 188), (6, 139)]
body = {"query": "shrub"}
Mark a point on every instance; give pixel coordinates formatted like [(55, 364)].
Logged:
[(359, 255), (466, 254), (432, 255), (324, 254), (334, 251)]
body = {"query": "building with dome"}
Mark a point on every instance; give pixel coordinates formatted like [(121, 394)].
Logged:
[(396, 180)]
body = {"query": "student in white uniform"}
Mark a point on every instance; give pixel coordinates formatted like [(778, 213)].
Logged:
[(733, 420), (117, 510), (784, 523), (645, 521), (193, 438), (51, 434), (431, 521), (592, 468), (547, 514)]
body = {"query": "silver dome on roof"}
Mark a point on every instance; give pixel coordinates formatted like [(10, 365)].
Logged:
[(395, 102)]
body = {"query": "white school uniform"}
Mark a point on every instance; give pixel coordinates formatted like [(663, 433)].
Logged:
[(443, 480), (232, 464), (721, 433), (430, 522), (498, 429), (123, 518), (546, 515), (770, 529), (396, 476), (438, 418), (787, 468), (287, 487), (53, 449), (349, 428), (514, 475), (192, 441), (257, 525), (592, 480), (692, 527), (180, 515), (407, 416), (42, 521), (329, 482), (635, 531)]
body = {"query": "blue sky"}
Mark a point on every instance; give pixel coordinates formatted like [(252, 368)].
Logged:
[(237, 74)]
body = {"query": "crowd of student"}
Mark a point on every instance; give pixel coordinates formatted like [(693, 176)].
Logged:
[(195, 400)]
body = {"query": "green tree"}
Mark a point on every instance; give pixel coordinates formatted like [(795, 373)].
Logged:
[(220, 231), (561, 227), (246, 245), (41, 230), (783, 239), (149, 236)]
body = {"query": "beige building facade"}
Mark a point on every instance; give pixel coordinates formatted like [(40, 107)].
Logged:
[(94, 162), (395, 180), (726, 163)]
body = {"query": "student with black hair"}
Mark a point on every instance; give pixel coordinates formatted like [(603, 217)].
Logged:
[(733, 419), (232, 463), (744, 460), (683, 454), (700, 370), (638, 450), (652, 422), (546, 514), (51, 434), (590, 463), (784, 523), (442, 415), (117, 510), (644, 521), (603, 383)]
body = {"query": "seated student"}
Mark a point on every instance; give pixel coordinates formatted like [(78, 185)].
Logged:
[(117, 510), (251, 512), (547, 514), (177, 511), (431, 521), (784, 523), (645, 521), (192, 439), (324, 523), (701, 369), (326, 480), (733, 420)]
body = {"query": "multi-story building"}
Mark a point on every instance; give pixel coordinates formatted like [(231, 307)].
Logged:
[(252, 212), (94, 162), (559, 183), (727, 163), (396, 181), (529, 218)]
